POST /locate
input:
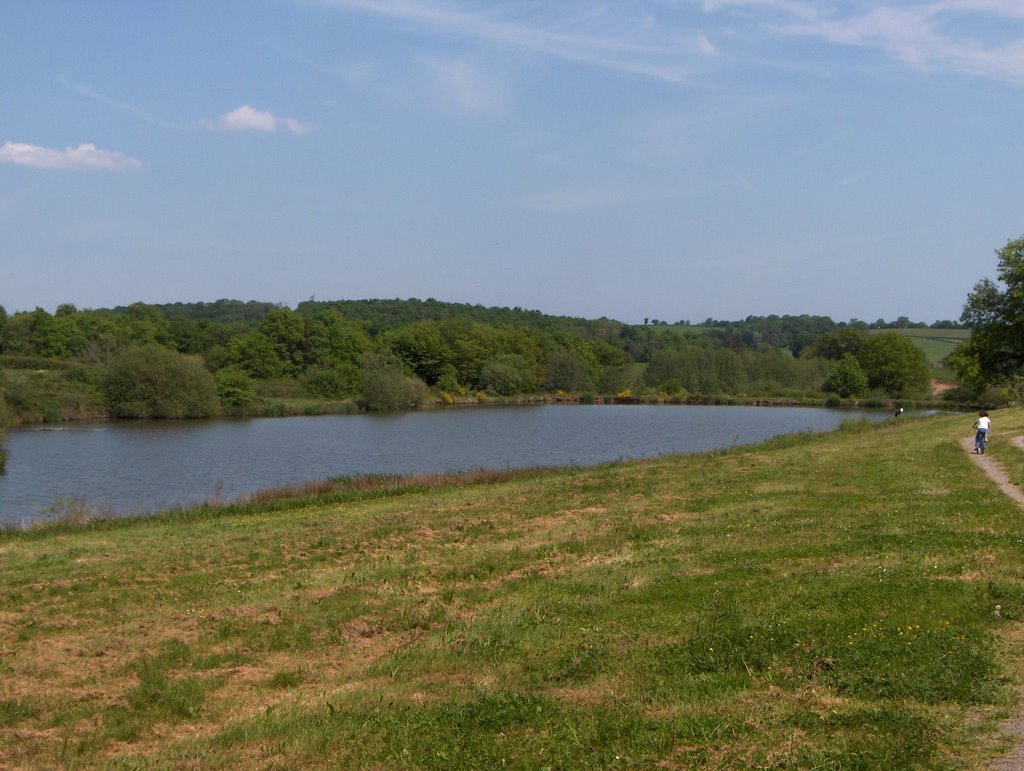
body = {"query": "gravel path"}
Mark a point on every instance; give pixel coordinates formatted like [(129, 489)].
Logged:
[(1012, 726)]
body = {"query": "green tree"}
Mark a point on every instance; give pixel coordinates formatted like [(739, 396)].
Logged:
[(566, 370), (449, 380), (234, 386), (471, 344), (847, 378), (666, 365), (423, 348), (776, 370), (146, 324), (335, 382), (386, 386), (286, 332), (835, 345), (689, 367), (192, 337), (37, 333), (256, 354), (150, 381), (895, 365), (505, 375), (332, 341), (613, 380), (994, 312), (729, 370)]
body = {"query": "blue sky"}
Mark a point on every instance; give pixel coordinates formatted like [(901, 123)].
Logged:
[(670, 159)]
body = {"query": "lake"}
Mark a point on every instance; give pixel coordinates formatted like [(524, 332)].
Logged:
[(146, 466)]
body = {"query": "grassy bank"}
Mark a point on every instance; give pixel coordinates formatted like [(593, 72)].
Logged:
[(817, 601)]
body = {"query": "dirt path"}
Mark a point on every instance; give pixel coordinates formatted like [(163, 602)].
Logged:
[(1012, 727), (994, 470)]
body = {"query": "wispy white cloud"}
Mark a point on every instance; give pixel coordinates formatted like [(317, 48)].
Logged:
[(88, 91), (465, 86), (247, 118), (928, 35), (85, 157), (705, 46), (974, 37), (596, 36), (1007, 8), (672, 41), (795, 8), (296, 127), (244, 118)]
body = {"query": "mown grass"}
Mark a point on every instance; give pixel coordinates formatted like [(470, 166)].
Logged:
[(812, 602)]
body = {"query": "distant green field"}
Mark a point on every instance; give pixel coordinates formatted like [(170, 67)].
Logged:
[(937, 344)]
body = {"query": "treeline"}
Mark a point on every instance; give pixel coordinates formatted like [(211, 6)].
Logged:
[(195, 359)]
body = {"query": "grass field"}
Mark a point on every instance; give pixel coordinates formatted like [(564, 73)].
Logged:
[(937, 344), (814, 602)]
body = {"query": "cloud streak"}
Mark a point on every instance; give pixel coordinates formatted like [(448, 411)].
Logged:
[(632, 44), (247, 118), (83, 89), (85, 157), (244, 118), (972, 37)]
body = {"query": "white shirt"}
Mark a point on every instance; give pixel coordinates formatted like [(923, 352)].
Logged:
[(983, 423)]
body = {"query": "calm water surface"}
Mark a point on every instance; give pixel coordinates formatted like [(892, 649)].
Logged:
[(146, 466)]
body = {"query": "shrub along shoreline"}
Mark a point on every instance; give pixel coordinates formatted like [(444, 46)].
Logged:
[(813, 601), (67, 393)]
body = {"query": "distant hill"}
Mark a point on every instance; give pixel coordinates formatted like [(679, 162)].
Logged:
[(219, 311), (379, 315)]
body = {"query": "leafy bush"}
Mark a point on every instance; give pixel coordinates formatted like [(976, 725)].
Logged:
[(505, 375), (449, 380), (386, 386), (234, 386), (333, 382), (615, 379), (150, 381), (567, 371), (847, 378)]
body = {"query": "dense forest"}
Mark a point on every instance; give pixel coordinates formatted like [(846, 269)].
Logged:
[(199, 359)]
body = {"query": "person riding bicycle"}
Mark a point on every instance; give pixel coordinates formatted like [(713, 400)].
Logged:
[(982, 424)]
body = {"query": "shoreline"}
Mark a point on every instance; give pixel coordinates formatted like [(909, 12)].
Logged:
[(281, 408)]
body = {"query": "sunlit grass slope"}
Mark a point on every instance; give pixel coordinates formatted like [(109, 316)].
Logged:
[(816, 601), (936, 344)]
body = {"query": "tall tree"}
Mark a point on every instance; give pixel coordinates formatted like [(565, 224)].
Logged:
[(994, 312)]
